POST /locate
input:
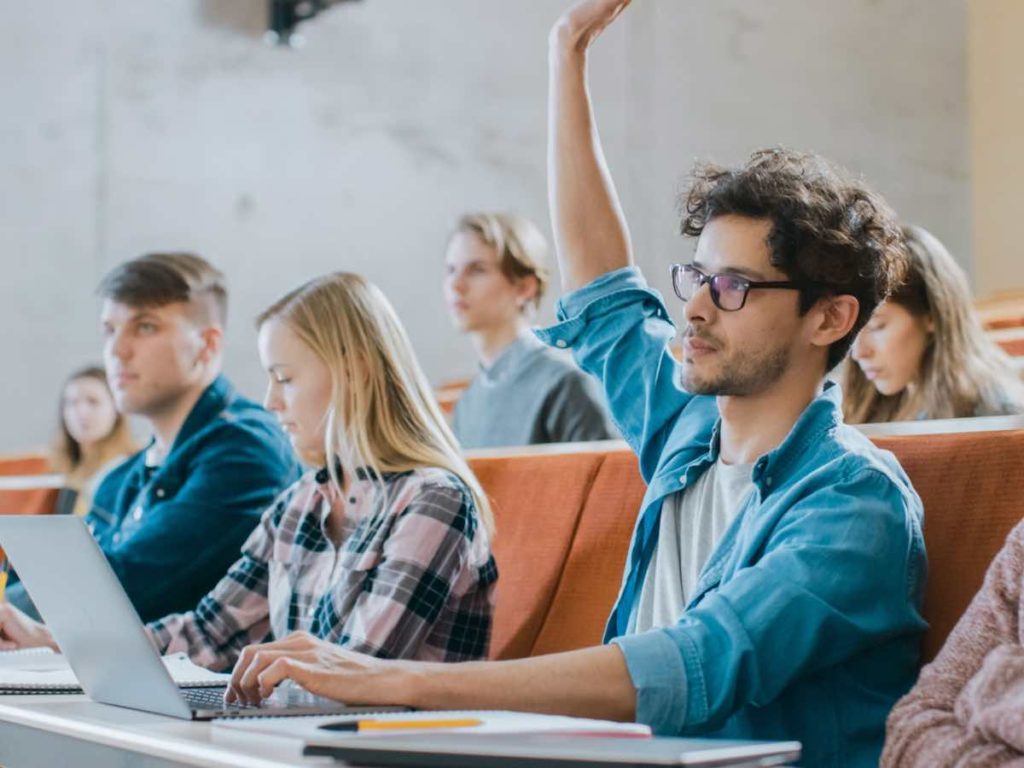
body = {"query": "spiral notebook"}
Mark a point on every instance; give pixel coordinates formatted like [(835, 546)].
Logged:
[(40, 670)]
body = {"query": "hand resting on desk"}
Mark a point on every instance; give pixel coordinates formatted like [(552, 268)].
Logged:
[(19, 631)]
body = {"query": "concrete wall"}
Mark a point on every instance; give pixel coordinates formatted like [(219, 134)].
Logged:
[(996, 72), (130, 127)]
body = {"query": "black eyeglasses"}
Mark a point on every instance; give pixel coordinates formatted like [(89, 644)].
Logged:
[(728, 291)]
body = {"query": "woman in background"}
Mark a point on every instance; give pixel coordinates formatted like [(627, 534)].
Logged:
[(93, 437), (496, 271), (923, 354)]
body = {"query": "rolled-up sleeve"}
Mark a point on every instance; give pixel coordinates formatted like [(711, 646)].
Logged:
[(841, 565), (656, 667)]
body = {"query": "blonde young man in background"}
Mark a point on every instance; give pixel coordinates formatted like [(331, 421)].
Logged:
[(496, 272)]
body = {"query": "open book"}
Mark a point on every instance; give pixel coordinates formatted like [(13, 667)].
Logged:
[(40, 670)]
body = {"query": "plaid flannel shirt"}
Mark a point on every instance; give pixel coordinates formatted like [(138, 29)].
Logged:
[(412, 576)]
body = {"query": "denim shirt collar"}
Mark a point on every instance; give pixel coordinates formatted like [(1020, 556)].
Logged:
[(820, 417), (215, 398), (823, 414)]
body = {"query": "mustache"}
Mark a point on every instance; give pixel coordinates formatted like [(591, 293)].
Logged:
[(695, 333)]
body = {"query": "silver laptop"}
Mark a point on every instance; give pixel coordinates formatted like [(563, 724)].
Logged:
[(95, 624), (466, 750)]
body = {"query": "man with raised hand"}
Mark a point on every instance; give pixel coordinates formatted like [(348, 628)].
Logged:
[(773, 582)]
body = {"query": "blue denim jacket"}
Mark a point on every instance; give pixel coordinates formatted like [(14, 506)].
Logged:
[(170, 538), (805, 621)]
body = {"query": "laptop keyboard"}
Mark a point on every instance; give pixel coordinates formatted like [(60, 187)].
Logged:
[(211, 698)]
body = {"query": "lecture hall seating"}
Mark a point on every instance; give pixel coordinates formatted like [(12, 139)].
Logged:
[(565, 514)]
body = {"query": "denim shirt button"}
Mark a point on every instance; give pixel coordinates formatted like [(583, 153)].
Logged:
[(116, 537), (561, 344), (682, 481), (159, 493), (768, 482), (137, 513)]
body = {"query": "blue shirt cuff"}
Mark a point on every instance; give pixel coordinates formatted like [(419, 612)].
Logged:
[(658, 672)]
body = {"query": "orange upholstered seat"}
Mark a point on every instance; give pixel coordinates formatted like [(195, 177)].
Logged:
[(24, 464), (537, 504), (972, 486), (592, 574), (1012, 343), (565, 520), (27, 500)]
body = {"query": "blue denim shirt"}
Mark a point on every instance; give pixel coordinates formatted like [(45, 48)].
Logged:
[(805, 621), (172, 536)]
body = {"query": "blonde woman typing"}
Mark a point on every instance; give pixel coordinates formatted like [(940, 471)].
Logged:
[(384, 548)]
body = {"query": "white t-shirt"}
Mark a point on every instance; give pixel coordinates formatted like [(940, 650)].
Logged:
[(692, 523)]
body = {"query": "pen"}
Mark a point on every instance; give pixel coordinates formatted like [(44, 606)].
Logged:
[(398, 725), (3, 574)]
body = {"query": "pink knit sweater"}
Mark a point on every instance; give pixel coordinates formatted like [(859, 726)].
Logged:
[(968, 705)]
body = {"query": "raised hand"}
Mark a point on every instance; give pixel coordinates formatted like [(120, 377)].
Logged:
[(591, 235), (585, 21)]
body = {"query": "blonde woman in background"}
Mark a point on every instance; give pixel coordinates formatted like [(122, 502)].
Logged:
[(93, 437), (496, 273), (383, 546), (923, 354)]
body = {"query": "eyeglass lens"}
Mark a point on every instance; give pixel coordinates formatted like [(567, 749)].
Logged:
[(727, 292)]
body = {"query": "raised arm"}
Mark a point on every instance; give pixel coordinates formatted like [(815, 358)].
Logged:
[(591, 237)]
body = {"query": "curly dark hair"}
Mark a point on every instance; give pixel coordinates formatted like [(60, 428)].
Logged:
[(828, 229)]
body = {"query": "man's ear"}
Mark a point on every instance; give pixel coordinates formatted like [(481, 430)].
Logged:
[(526, 290), (212, 343), (832, 318)]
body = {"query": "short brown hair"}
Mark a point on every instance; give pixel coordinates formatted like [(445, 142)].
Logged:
[(828, 229), (158, 279), (522, 249)]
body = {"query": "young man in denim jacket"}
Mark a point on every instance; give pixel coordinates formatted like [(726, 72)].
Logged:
[(773, 583), (172, 518)]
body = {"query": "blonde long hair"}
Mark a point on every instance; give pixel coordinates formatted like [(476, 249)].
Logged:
[(963, 373), (383, 413)]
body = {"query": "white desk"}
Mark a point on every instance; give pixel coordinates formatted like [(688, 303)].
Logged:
[(70, 730)]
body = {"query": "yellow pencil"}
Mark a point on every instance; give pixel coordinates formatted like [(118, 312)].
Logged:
[(3, 575), (397, 725)]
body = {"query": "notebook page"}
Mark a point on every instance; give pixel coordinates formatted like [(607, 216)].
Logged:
[(25, 672)]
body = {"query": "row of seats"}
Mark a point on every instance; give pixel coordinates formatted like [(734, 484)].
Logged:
[(565, 515), (1002, 310), (564, 523), (20, 497)]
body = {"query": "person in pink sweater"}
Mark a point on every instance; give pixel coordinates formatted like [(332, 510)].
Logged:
[(967, 707)]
